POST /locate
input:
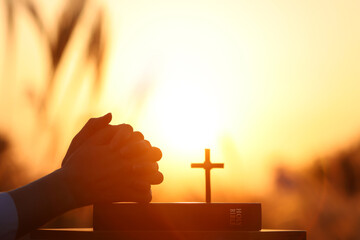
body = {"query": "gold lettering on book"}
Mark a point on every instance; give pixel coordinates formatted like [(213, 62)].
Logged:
[(236, 217)]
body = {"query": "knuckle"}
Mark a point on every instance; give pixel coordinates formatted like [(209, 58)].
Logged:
[(156, 167), (147, 143), (148, 197), (161, 177), (91, 120), (138, 135), (126, 126), (157, 153)]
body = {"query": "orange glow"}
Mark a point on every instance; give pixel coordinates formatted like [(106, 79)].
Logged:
[(257, 82), (241, 71), (270, 86)]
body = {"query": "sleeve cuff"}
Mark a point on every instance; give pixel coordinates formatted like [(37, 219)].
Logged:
[(8, 217)]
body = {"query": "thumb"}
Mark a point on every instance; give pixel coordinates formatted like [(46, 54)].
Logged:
[(92, 126), (95, 124)]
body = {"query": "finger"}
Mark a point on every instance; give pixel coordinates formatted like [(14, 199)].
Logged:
[(105, 135), (157, 154), (92, 126), (141, 185), (119, 181), (155, 178), (125, 194), (136, 136), (125, 174), (131, 195), (134, 149), (135, 195), (110, 169), (123, 134), (98, 123), (152, 155), (144, 168), (132, 179), (113, 180)]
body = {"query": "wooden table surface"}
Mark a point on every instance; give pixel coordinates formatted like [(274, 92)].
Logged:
[(89, 234)]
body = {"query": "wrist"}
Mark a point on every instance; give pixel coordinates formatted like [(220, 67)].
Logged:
[(74, 191), (40, 201), (64, 193)]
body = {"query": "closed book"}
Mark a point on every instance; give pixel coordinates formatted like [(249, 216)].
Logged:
[(89, 234), (177, 217)]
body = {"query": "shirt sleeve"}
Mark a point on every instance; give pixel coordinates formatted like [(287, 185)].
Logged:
[(8, 217)]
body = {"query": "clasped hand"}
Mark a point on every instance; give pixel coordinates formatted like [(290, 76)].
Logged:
[(107, 163)]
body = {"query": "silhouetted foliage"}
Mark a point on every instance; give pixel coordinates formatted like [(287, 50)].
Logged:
[(10, 169), (67, 23), (322, 199), (31, 8), (10, 17), (3, 144), (96, 50), (56, 44)]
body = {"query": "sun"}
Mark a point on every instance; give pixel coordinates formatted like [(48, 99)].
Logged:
[(188, 119), (186, 108)]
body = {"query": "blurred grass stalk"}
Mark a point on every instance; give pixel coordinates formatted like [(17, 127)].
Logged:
[(77, 49), (51, 108)]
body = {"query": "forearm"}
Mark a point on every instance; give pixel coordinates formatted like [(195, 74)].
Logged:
[(40, 201)]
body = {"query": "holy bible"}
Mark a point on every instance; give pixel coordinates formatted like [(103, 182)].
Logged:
[(177, 217)]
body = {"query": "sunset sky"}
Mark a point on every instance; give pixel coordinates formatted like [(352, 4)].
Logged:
[(261, 83)]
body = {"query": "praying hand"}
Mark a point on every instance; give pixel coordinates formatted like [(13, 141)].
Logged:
[(104, 163)]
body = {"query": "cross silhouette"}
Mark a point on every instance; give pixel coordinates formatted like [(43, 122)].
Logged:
[(207, 165)]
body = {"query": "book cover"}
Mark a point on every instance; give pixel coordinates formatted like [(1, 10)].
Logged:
[(89, 234), (177, 217)]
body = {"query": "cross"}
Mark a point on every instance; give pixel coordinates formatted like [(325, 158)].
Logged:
[(207, 165)]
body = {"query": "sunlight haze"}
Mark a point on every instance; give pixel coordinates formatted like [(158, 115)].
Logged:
[(261, 83)]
